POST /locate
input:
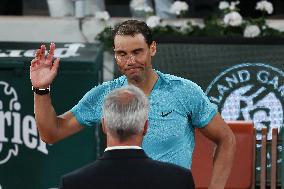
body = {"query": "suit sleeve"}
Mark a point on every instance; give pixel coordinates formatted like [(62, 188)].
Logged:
[(190, 181)]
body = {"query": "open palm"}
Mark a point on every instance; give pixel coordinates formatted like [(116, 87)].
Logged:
[(42, 70)]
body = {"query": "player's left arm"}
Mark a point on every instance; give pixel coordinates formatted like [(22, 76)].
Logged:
[(220, 133)]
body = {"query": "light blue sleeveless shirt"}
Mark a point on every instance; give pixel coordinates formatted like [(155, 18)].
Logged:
[(177, 106)]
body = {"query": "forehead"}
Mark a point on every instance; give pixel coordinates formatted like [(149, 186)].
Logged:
[(129, 42)]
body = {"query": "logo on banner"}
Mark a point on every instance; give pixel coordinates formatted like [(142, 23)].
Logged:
[(251, 92), (15, 129), (69, 50)]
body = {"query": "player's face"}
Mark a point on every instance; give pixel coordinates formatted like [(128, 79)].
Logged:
[(133, 56)]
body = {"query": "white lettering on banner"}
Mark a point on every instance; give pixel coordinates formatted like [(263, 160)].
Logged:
[(29, 53), (70, 50), (22, 127), (231, 80)]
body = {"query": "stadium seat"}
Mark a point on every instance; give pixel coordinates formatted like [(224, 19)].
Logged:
[(243, 171)]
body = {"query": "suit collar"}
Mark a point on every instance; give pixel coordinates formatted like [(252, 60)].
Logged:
[(124, 153)]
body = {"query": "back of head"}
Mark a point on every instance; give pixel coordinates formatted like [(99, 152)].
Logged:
[(133, 27), (125, 112)]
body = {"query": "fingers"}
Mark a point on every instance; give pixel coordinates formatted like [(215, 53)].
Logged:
[(37, 54), (55, 65), (50, 54), (34, 62), (42, 53)]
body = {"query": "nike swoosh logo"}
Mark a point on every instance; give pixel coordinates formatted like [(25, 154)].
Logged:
[(166, 114)]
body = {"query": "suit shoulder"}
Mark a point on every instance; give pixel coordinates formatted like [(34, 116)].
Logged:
[(81, 172)]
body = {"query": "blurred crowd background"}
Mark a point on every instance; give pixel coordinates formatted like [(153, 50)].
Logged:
[(197, 8)]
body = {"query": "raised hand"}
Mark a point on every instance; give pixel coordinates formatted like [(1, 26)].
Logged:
[(42, 69)]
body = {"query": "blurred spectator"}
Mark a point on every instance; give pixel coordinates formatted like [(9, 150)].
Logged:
[(93, 6), (162, 8), (59, 8)]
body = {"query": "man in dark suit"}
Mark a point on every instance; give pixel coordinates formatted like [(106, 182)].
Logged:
[(124, 164)]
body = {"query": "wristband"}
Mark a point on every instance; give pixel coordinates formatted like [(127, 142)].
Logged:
[(40, 91)]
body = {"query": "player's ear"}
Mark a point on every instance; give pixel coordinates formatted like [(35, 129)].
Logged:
[(153, 48)]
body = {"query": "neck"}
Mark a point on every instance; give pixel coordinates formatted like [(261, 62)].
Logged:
[(147, 83), (130, 141)]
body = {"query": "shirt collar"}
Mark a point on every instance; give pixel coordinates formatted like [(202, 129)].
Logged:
[(122, 148), (162, 76)]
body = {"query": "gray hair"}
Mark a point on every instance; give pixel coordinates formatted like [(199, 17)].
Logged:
[(125, 111)]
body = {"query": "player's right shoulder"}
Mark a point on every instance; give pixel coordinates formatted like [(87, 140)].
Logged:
[(108, 86)]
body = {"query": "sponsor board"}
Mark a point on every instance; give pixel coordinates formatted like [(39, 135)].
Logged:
[(21, 128), (250, 92)]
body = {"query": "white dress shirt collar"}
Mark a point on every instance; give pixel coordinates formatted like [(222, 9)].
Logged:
[(122, 148)]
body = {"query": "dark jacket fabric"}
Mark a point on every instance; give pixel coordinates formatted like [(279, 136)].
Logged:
[(128, 168)]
